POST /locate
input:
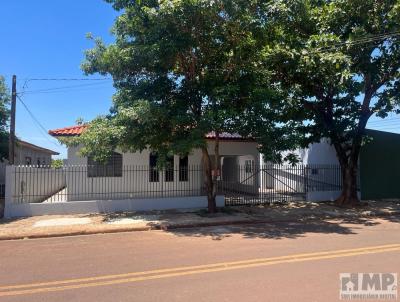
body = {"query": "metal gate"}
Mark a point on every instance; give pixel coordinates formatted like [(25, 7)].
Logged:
[(252, 185)]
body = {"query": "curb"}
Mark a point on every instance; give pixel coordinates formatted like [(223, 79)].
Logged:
[(162, 227)]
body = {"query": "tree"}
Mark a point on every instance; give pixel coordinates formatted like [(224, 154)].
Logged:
[(57, 163), (4, 115), (338, 64), (181, 69)]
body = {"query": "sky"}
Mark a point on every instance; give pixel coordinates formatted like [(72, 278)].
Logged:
[(47, 39)]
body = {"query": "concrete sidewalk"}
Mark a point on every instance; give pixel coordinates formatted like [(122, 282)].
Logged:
[(68, 225)]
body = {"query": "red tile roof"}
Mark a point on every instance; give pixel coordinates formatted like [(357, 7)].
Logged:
[(78, 129), (68, 131)]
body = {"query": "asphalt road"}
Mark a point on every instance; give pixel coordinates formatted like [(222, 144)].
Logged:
[(266, 262)]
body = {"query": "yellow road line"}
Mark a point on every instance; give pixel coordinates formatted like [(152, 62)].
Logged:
[(174, 272), (115, 276)]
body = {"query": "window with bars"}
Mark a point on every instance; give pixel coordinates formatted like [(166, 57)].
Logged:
[(169, 169), (249, 165), (183, 169), (111, 168), (154, 175), (28, 160)]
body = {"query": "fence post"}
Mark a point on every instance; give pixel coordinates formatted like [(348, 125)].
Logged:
[(10, 185), (305, 172)]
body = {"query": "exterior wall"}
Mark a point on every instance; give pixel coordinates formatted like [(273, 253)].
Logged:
[(321, 172), (316, 154), (380, 166), (319, 154), (35, 184), (227, 148), (23, 152), (108, 206), (135, 181)]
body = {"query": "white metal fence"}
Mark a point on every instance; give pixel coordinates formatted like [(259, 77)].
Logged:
[(263, 184), (81, 189)]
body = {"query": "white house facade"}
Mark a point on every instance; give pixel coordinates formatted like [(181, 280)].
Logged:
[(129, 175)]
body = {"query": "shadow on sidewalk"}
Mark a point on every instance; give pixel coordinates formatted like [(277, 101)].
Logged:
[(281, 230)]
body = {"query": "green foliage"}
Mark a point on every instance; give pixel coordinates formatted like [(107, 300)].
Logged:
[(286, 72), (336, 63), (181, 69), (4, 116), (57, 163)]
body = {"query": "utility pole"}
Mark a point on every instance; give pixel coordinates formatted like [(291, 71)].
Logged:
[(11, 146)]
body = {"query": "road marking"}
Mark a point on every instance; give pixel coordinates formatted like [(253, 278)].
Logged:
[(12, 290)]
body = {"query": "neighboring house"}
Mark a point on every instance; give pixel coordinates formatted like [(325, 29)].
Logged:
[(123, 169), (26, 154), (316, 154), (30, 154)]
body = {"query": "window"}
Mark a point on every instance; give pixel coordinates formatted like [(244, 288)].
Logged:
[(154, 175), (28, 161), (249, 164), (183, 169), (111, 168), (169, 169)]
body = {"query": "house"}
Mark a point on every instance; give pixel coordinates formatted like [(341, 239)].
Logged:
[(28, 154), (128, 175)]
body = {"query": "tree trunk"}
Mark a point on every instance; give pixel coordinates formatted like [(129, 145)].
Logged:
[(349, 196), (217, 165), (208, 181)]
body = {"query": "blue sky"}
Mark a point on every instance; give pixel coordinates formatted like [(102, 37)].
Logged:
[(46, 39)]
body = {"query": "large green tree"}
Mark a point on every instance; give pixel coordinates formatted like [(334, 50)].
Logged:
[(337, 63), (181, 69), (4, 115)]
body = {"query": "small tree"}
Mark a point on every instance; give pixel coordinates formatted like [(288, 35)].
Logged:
[(181, 69), (4, 116), (338, 63), (57, 163)]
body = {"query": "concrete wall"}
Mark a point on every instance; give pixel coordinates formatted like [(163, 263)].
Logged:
[(321, 153), (108, 206), (32, 185)]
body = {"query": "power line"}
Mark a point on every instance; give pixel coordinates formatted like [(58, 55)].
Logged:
[(359, 41), (54, 89), (69, 79), (36, 121), (66, 91)]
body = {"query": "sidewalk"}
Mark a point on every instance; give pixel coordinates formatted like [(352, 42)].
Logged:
[(68, 225)]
